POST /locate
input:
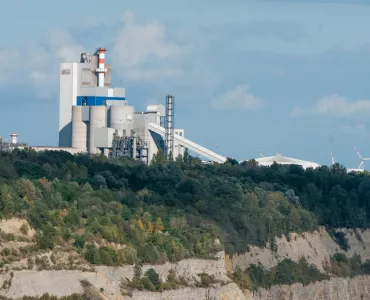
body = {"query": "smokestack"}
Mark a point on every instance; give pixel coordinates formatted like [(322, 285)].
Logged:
[(14, 138), (101, 70)]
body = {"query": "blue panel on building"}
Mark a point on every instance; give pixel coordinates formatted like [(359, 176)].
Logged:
[(95, 101)]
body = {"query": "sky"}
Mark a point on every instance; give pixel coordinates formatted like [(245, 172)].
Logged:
[(279, 76)]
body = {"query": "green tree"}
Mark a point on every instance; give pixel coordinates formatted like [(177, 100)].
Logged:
[(47, 236), (153, 276)]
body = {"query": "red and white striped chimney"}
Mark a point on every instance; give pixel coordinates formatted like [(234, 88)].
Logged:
[(101, 70)]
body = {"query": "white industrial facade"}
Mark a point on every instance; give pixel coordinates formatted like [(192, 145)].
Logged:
[(68, 95), (96, 118)]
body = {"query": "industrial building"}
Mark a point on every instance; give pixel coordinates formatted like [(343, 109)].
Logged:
[(12, 143), (95, 117), (283, 160)]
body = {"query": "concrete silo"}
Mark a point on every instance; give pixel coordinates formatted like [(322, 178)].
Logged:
[(97, 120), (121, 118), (79, 129)]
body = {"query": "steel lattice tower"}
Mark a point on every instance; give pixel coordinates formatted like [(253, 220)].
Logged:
[(170, 129)]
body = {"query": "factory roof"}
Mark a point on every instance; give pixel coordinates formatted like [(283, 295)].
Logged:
[(278, 158)]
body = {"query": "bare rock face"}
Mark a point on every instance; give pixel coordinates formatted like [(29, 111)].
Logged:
[(316, 247), (357, 288), (189, 268), (17, 227), (108, 279), (226, 292), (62, 283), (21, 278)]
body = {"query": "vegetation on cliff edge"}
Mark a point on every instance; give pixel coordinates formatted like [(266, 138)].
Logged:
[(172, 210)]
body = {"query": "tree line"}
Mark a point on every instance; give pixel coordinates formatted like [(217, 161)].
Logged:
[(172, 209)]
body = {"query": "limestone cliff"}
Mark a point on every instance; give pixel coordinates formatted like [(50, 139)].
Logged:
[(63, 283), (315, 246), (19, 283), (357, 288), (335, 289), (60, 273)]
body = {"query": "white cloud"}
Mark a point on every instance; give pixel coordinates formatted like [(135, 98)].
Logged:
[(137, 45), (335, 106), (44, 61), (339, 106), (38, 65), (64, 46), (237, 99), (141, 52)]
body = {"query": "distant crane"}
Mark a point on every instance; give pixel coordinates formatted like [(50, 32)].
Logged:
[(362, 164)]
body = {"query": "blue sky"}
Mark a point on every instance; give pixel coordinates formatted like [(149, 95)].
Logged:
[(279, 76)]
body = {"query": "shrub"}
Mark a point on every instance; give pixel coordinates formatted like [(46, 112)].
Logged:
[(79, 241), (286, 272), (340, 238), (24, 229), (6, 252)]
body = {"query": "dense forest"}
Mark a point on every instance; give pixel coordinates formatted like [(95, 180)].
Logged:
[(171, 210)]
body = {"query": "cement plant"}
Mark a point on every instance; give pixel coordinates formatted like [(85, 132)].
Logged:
[(96, 118)]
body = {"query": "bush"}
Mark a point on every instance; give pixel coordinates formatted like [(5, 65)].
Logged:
[(153, 277), (286, 272), (206, 280), (79, 241), (340, 238), (24, 229), (46, 236), (6, 252), (341, 265)]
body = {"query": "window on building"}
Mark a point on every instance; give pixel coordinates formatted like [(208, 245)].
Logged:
[(180, 133)]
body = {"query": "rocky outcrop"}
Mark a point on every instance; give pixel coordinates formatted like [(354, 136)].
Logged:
[(335, 289), (17, 227), (226, 292), (316, 247), (357, 288), (106, 279), (68, 282), (190, 268)]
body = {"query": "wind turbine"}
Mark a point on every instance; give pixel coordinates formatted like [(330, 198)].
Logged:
[(260, 153), (332, 159), (362, 165)]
